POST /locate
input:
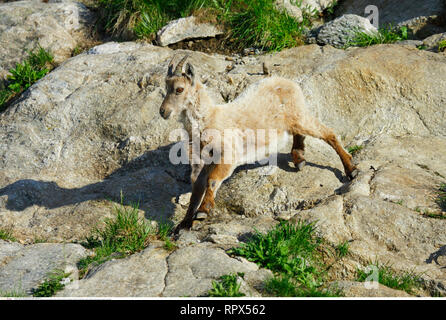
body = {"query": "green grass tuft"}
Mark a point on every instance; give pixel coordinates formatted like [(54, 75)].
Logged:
[(164, 232), (291, 252), (354, 149), (35, 67), (121, 236), (406, 281), (145, 18), (258, 23), (285, 286), (53, 284), (249, 23), (441, 45), (385, 35), (342, 249), (283, 249), (227, 286), (7, 235), (13, 294)]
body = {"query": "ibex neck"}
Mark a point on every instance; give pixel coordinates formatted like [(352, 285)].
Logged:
[(198, 112)]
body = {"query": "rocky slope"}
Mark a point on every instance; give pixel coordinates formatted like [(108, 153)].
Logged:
[(91, 129), (59, 26)]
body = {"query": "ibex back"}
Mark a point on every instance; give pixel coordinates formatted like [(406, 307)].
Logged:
[(272, 103)]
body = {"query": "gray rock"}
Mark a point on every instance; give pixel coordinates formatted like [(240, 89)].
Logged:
[(377, 213), (192, 269), (257, 279), (56, 26), (341, 30), (186, 238), (73, 86), (188, 271), (305, 6), (186, 28), (412, 43), (432, 42), (8, 250), (140, 275), (23, 268)]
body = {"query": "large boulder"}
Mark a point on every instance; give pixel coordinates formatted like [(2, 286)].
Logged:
[(54, 25)]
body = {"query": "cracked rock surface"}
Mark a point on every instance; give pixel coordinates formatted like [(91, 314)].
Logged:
[(188, 271)]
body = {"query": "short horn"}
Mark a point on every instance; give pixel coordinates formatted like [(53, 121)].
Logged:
[(179, 68), (170, 68)]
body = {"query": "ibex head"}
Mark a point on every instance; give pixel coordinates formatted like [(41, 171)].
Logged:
[(179, 87)]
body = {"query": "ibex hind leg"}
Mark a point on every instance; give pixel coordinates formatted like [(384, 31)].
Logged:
[(298, 151), (316, 129)]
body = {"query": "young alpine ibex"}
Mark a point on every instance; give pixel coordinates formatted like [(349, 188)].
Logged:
[(272, 103)]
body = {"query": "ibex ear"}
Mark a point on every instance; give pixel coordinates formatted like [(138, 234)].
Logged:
[(189, 72)]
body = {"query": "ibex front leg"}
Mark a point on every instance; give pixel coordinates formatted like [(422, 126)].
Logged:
[(204, 191), (199, 185)]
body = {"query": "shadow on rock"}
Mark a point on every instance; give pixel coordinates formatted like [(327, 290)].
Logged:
[(437, 254), (149, 180), (283, 162)]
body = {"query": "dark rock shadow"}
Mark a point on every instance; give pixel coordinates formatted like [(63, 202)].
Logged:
[(149, 180), (437, 254), (283, 162)]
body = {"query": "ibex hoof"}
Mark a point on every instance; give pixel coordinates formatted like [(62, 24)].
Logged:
[(196, 225), (353, 174), (200, 216), (185, 224), (300, 165)]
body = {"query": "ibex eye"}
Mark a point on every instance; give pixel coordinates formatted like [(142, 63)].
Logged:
[(179, 90)]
